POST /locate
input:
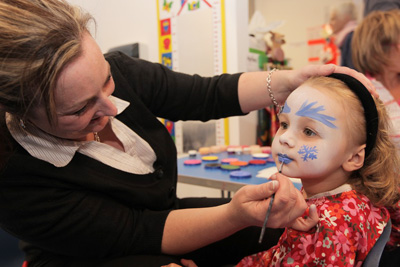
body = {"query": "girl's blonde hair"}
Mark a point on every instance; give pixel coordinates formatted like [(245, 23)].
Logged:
[(378, 179), (373, 39), (38, 38)]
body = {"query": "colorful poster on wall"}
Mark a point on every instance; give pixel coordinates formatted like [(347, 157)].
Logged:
[(192, 40), (321, 46)]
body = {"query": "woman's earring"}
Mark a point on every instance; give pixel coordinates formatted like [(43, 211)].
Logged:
[(22, 123)]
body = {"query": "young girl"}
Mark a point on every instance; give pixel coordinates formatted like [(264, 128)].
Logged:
[(334, 136)]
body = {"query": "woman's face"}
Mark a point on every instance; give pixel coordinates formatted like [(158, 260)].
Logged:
[(312, 140), (394, 59), (337, 21), (81, 96)]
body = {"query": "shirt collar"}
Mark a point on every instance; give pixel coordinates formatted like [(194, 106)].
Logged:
[(44, 146)]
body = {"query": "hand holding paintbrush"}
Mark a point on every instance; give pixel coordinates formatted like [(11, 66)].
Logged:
[(269, 210), (301, 224)]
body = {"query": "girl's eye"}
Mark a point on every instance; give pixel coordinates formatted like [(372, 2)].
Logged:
[(283, 125), (309, 132)]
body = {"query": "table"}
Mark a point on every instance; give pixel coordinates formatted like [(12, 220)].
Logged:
[(217, 178)]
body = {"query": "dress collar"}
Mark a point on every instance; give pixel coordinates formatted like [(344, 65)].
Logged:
[(340, 189)]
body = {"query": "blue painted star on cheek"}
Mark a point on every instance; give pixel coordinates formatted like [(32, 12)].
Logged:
[(308, 152), (307, 110)]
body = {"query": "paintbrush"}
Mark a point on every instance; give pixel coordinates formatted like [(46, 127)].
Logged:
[(268, 211)]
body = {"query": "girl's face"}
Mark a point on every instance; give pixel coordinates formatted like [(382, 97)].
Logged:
[(81, 96), (312, 139)]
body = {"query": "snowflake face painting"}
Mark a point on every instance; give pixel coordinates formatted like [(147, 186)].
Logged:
[(312, 137), (307, 153)]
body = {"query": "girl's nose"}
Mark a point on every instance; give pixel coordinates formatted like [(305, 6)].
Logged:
[(287, 139)]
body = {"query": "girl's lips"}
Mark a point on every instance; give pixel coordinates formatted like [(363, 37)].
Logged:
[(284, 158)]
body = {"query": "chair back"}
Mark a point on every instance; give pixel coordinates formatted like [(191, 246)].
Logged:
[(374, 256)]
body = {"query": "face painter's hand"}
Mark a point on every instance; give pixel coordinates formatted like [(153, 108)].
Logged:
[(305, 224), (289, 203), (250, 204), (327, 69)]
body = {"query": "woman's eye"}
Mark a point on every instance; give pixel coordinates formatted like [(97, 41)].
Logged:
[(79, 112), (309, 132)]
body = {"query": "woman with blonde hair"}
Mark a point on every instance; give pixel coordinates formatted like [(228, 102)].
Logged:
[(376, 53)]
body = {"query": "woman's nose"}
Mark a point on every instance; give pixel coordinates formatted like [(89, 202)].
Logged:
[(108, 108), (287, 139)]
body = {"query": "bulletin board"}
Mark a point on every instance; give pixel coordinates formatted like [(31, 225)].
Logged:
[(192, 40)]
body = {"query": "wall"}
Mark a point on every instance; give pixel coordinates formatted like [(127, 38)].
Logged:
[(298, 15), (121, 22)]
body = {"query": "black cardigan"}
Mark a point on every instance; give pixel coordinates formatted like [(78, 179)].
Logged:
[(90, 210)]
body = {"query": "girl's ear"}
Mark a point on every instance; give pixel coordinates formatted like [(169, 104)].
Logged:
[(356, 160)]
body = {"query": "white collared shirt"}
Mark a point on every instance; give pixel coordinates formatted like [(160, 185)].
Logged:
[(138, 157)]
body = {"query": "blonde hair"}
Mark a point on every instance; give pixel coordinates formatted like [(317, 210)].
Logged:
[(378, 179), (373, 39), (38, 38)]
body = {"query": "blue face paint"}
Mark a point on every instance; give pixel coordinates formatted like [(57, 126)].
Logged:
[(308, 152), (284, 158), (286, 108), (306, 110)]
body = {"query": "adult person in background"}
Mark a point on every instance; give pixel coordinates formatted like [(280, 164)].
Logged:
[(343, 20), (369, 6), (376, 52), (89, 174)]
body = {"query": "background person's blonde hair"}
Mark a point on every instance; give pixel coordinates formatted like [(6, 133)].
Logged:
[(378, 179), (372, 40), (38, 38)]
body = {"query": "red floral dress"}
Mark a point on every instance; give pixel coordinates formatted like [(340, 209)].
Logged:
[(348, 228)]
